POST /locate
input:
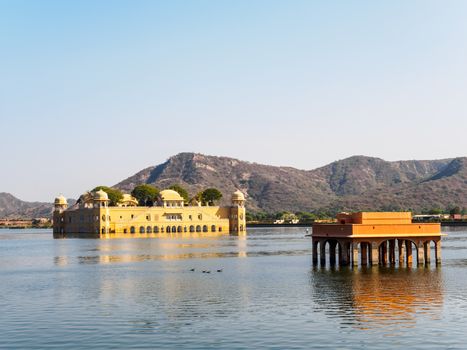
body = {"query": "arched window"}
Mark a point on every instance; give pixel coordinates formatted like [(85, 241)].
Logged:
[(179, 229), (132, 229), (198, 228), (205, 228), (174, 229), (141, 229), (149, 229), (213, 228), (168, 229), (184, 229), (156, 229), (162, 229), (192, 228)]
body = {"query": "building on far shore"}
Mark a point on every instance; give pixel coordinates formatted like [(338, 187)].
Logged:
[(92, 217)]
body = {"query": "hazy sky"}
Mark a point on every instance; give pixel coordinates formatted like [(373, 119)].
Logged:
[(93, 91)]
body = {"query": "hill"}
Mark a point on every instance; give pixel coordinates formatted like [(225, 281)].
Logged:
[(14, 208), (355, 183)]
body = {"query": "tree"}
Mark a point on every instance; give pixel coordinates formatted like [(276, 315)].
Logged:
[(181, 191), (210, 195), (305, 216), (435, 211), (145, 194), (455, 210), (114, 194)]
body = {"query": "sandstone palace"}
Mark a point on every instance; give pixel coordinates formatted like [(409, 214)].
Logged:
[(92, 217)]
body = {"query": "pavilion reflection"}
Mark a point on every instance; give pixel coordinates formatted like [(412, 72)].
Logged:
[(375, 297)]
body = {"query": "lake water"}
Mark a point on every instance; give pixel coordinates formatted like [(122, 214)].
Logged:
[(140, 293)]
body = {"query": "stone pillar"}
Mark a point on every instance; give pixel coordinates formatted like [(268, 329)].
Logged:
[(345, 256), (392, 251), (438, 252), (355, 254), (332, 253), (426, 247), (364, 253), (341, 253), (384, 253), (315, 251), (374, 254), (421, 253), (322, 252), (408, 248), (400, 243)]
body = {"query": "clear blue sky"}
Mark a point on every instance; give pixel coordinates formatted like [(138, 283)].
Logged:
[(93, 91)]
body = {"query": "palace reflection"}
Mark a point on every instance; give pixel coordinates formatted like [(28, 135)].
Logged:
[(373, 297), (162, 248)]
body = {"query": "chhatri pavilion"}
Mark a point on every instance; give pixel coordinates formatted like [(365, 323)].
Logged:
[(376, 238)]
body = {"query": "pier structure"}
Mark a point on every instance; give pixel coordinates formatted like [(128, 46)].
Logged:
[(376, 238)]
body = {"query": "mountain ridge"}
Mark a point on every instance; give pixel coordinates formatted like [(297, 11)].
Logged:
[(353, 183)]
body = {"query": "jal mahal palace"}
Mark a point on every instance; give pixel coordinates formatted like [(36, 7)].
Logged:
[(93, 217)]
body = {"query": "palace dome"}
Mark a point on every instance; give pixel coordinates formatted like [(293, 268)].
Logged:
[(238, 196), (170, 195), (127, 198), (60, 200), (100, 196)]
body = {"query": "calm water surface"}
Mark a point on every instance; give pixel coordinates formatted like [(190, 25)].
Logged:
[(78, 293)]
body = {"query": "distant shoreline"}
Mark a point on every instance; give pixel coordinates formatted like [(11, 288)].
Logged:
[(443, 223)]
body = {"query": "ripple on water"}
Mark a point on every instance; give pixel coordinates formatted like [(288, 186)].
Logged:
[(141, 293)]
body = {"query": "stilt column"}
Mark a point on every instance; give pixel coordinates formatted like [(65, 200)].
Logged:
[(315, 251), (421, 254), (364, 253), (322, 252), (408, 248), (426, 248), (438, 252), (374, 254), (400, 243), (355, 254), (345, 255), (384, 253), (392, 251)]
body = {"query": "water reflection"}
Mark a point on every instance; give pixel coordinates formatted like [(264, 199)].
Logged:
[(378, 297), (131, 251)]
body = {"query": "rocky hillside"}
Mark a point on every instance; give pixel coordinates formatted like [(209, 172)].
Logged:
[(14, 208), (355, 183)]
